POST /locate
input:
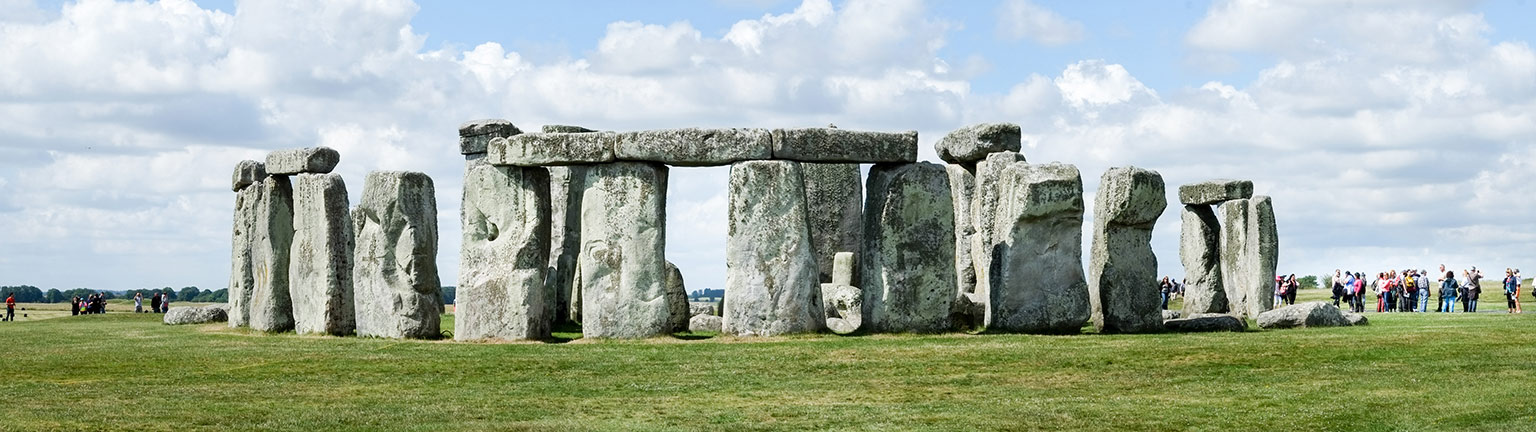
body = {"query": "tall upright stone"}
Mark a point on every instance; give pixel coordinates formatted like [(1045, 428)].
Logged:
[(834, 198), (1122, 275), (565, 239), (771, 274), (1249, 254), (397, 293), (677, 299), (909, 266), (271, 309), (1200, 252), (969, 309), (1039, 285), (502, 291), (242, 277), (320, 261), (983, 210), (1263, 229), (623, 265)]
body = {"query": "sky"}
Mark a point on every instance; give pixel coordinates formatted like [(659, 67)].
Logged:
[(1390, 133)]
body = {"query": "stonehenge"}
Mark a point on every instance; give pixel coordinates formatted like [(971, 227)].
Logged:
[(568, 223), (1229, 246)]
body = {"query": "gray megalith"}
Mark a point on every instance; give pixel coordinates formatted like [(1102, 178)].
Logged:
[(1039, 286), (983, 216), (1122, 273), (316, 160), (694, 146), (1200, 252), (475, 136), (908, 277), (248, 172), (1249, 254), (396, 290), (320, 260), (839, 145), (565, 239), (677, 299), (1215, 192), (502, 291), (842, 303), (622, 264), (771, 274), (271, 309), (969, 309), (541, 149), (242, 276), (834, 198), (973, 143)]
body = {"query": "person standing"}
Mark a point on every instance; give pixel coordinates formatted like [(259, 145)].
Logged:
[(1448, 289), (10, 307), (1510, 282), (1423, 291), (138, 303), (1338, 288), (154, 303), (1517, 291), (1474, 289), (165, 303), (1165, 288)]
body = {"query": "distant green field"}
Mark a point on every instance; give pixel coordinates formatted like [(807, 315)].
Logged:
[(124, 371)]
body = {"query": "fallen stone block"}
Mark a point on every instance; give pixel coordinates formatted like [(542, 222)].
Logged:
[(1171, 314), (1215, 192), (1309, 314), (838, 145), (842, 307), (1199, 323), (315, 160), (1122, 272), (694, 146), (180, 315), (704, 324), (541, 149), (1356, 319), (973, 143)]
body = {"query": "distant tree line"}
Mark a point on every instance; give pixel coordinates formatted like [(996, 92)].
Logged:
[(449, 295), (706, 294), (32, 294)]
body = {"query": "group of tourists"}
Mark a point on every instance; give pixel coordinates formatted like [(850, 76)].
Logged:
[(1285, 289), (91, 304), (1409, 290), (159, 303), (1170, 288)]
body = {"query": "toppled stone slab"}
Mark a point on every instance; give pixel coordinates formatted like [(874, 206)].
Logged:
[(694, 146), (564, 129), (1199, 323), (565, 239), (1215, 192), (320, 264), (316, 160), (622, 265), (1171, 314), (271, 308), (983, 216), (196, 315), (248, 172), (677, 299), (242, 276), (1356, 319), (396, 286), (703, 308), (503, 293), (1309, 314), (838, 145), (704, 324), (834, 199), (842, 307), (908, 265), (973, 143), (475, 136), (1123, 269), (1200, 252), (1039, 286), (541, 149), (771, 275)]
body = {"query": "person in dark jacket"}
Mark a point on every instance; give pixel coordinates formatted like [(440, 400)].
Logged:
[(1448, 287)]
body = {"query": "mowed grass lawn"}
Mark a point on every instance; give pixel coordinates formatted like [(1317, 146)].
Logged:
[(1403, 372)]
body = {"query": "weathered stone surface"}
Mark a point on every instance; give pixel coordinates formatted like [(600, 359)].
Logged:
[(1122, 275), (1199, 323), (1200, 252), (844, 265), (677, 299), (838, 145), (196, 315), (1309, 314), (540, 149), (1356, 319), (475, 136), (834, 198), (317, 160), (1215, 192), (248, 172), (973, 143), (842, 305), (1171, 314), (320, 260), (270, 308), (565, 240), (242, 276), (694, 146), (770, 274), (502, 291), (564, 129), (1249, 254), (908, 272), (622, 264), (397, 293), (962, 187), (705, 324), (983, 217), (702, 308), (1038, 283)]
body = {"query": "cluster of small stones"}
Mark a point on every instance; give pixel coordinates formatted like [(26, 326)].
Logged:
[(1229, 247), (303, 261)]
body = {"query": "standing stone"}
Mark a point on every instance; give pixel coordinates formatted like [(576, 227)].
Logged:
[(983, 211), (623, 235), (1039, 285), (909, 267), (397, 291), (1123, 272), (677, 299), (1265, 253), (1200, 252), (842, 303), (834, 198), (320, 263), (969, 309), (317, 160), (242, 276), (1239, 266), (770, 274), (565, 240), (973, 143), (502, 291), (248, 172), (271, 309)]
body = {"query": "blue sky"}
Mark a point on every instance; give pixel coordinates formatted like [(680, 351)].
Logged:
[(1391, 133)]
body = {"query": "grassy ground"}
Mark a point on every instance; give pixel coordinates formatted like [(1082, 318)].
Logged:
[(1404, 372)]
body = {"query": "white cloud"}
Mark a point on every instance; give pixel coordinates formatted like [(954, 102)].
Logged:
[(1023, 19)]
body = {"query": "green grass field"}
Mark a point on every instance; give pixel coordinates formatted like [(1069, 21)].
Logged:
[(124, 371)]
